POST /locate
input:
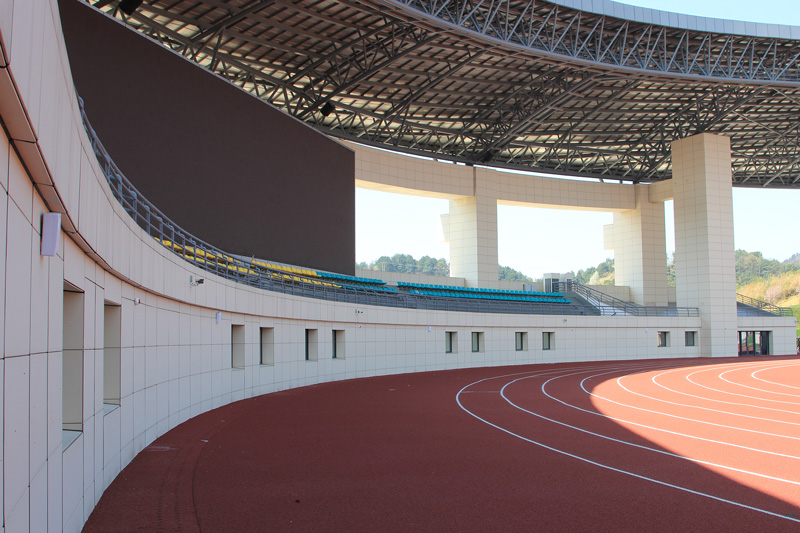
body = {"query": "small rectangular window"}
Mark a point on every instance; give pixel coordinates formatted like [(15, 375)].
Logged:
[(337, 344), (72, 359), (521, 341), (450, 342), (267, 346), (237, 346), (311, 345), (548, 340), (691, 338), (477, 341), (112, 348), (663, 339)]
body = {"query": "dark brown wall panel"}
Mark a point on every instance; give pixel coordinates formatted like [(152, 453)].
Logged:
[(222, 164)]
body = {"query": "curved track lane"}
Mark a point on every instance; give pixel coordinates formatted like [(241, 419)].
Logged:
[(657, 425), (687, 445)]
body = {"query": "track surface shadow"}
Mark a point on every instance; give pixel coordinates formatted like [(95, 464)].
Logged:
[(398, 453)]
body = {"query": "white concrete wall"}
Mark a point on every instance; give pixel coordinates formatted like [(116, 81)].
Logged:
[(175, 359)]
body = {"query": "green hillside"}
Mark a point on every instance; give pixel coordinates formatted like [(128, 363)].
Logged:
[(430, 266)]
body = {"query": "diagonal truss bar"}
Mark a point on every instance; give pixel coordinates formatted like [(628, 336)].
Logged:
[(541, 26)]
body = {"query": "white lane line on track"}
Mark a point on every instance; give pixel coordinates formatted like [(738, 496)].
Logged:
[(633, 444), (662, 430), (582, 385), (613, 469), (753, 375), (654, 379), (690, 380), (622, 386), (721, 376)]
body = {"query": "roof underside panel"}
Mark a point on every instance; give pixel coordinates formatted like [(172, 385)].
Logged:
[(517, 84)]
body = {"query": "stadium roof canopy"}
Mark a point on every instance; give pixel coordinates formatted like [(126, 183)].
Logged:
[(522, 84)]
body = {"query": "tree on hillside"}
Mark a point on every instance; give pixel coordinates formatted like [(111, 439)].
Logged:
[(583, 276), (406, 264), (509, 274), (593, 275), (605, 268), (433, 267), (752, 265), (794, 260), (671, 279)]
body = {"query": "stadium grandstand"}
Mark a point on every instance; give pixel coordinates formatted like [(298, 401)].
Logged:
[(180, 225)]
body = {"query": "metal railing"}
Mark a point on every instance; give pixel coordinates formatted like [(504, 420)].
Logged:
[(214, 260), (621, 307), (764, 306)]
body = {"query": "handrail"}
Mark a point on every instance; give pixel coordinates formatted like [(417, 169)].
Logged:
[(583, 290), (623, 307), (765, 306), (212, 259)]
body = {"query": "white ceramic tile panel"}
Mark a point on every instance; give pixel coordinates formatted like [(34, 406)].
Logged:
[(18, 283), (16, 435), (72, 486), (88, 466), (38, 415), (52, 506), (2, 441), (39, 281), (26, 50), (111, 446), (5, 154)]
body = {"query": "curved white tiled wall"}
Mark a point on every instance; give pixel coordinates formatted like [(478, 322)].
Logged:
[(175, 357)]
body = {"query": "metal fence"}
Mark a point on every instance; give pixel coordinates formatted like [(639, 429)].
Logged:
[(764, 306)]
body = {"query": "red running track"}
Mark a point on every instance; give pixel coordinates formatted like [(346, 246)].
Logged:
[(687, 445)]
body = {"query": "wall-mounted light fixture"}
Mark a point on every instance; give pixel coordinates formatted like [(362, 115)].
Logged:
[(51, 233), (194, 282), (219, 317)]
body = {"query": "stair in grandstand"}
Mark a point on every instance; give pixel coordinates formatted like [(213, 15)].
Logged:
[(578, 292), (612, 306)]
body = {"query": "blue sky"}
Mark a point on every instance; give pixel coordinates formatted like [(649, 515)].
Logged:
[(535, 241)]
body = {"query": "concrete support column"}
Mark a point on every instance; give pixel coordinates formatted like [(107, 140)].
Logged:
[(472, 233), (639, 243), (704, 252)]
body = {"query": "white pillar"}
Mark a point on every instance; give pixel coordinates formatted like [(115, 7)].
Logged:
[(472, 233), (704, 253), (640, 250)]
